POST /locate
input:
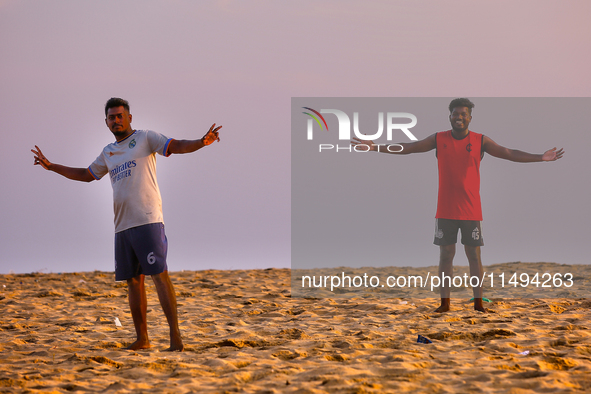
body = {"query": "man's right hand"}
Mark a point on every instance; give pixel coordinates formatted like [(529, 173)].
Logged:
[(357, 141), (75, 174), (40, 158)]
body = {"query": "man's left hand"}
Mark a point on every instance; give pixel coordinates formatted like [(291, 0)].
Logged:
[(552, 154), (212, 135)]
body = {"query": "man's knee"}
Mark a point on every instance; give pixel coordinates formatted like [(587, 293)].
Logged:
[(135, 281), (161, 277), (163, 283), (447, 252), (472, 253)]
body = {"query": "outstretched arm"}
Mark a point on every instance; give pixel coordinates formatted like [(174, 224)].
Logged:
[(501, 152), (401, 148), (188, 146), (76, 174)]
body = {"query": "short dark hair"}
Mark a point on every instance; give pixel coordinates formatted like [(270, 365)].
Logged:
[(461, 102), (115, 102)]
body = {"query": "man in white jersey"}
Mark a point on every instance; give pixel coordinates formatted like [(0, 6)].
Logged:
[(140, 241)]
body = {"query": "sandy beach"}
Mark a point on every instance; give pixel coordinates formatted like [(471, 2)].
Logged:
[(244, 332)]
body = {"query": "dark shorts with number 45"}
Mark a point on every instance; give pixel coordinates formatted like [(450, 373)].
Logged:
[(140, 251), (446, 232)]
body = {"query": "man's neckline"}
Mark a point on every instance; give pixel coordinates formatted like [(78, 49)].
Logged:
[(117, 142)]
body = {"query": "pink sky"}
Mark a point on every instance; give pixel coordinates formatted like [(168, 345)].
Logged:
[(184, 65)]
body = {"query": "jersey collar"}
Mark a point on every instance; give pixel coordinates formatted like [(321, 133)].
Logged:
[(119, 142), (459, 139)]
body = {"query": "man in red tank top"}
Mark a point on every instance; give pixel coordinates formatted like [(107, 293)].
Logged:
[(459, 152)]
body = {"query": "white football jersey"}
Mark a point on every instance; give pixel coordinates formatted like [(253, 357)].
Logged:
[(131, 165)]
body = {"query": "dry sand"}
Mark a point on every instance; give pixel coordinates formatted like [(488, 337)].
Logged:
[(243, 332)]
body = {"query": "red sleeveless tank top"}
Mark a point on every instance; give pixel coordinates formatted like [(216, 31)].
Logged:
[(459, 176)]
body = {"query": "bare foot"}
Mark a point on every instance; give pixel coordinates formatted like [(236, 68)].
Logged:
[(442, 309), (176, 341), (139, 345), (176, 347), (478, 305)]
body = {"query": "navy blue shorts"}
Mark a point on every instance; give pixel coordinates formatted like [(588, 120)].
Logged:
[(446, 232), (140, 250)]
